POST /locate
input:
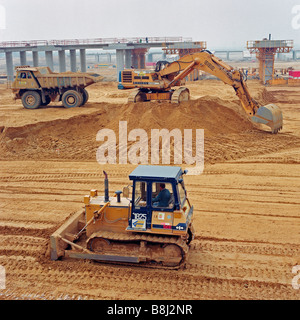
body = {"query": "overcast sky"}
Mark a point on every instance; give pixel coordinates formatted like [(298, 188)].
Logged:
[(227, 23)]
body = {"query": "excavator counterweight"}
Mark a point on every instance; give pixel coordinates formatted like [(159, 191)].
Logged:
[(161, 83)]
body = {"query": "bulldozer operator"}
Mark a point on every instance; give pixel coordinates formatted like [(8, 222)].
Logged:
[(163, 198)]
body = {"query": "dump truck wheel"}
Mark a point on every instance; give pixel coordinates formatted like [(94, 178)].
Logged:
[(31, 100), (71, 99), (85, 95)]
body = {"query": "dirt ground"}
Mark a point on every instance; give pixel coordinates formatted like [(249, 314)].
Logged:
[(246, 202)]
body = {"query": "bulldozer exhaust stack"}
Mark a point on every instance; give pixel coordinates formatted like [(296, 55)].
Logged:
[(106, 190)]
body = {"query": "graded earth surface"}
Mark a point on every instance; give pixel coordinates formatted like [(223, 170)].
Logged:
[(246, 202)]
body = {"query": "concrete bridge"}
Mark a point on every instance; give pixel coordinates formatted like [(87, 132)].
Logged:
[(130, 52)]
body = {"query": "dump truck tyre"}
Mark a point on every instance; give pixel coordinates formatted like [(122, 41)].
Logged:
[(71, 99), (85, 95), (31, 100)]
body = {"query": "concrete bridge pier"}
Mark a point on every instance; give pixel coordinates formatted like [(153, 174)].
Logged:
[(23, 58), (120, 61), (35, 58), (62, 60), (83, 60), (49, 59), (73, 60), (128, 58), (108, 58), (9, 66), (139, 58)]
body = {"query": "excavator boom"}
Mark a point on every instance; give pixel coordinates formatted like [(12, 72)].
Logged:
[(158, 85)]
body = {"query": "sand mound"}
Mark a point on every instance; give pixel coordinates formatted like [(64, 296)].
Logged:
[(228, 133), (76, 137), (214, 115)]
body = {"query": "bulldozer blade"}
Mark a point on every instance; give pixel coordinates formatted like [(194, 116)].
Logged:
[(269, 115), (70, 227)]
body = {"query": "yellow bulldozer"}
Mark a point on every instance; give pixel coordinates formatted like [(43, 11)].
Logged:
[(159, 84), (153, 228)]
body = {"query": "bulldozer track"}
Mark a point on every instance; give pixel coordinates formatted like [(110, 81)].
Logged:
[(148, 238)]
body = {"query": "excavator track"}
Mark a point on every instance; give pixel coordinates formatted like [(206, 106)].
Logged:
[(152, 251), (136, 96), (181, 94)]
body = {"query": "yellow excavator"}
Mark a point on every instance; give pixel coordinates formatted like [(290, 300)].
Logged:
[(159, 84)]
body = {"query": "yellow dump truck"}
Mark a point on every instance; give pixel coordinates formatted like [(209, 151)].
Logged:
[(38, 86)]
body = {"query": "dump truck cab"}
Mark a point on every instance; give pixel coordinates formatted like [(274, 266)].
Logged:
[(25, 79), (159, 201)]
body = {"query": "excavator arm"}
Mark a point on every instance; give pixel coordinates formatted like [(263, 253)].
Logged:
[(269, 115)]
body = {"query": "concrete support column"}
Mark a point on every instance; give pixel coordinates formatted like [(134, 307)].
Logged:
[(83, 60), (142, 60), (9, 66), (73, 60), (62, 60), (108, 58), (23, 58), (120, 61), (135, 60), (35, 58), (228, 55), (128, 59), (49, 59)]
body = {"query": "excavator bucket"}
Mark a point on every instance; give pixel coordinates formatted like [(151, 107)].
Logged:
[(269, 115)]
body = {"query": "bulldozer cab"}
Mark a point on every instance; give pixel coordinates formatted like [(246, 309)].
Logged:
[(158, 193)]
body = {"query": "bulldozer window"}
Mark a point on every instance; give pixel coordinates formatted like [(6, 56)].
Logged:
[(162, 195), (182, 195), (140, 195)]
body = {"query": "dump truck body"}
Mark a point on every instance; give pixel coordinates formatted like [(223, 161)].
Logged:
[(39, 86), (136, 231)]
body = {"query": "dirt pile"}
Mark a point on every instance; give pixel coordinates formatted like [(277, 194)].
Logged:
[(75, 138)]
